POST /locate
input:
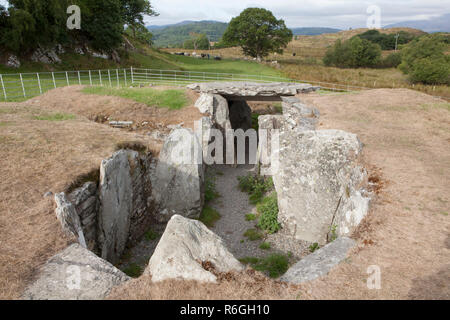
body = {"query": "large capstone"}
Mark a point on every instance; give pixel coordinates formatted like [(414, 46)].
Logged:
[(186, 245), (179, 176), (75, 274), (252, 89), (320, 184)]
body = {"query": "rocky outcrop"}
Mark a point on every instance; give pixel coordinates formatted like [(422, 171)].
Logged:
[(47, 55), (13, 62), (179, 176), (75, 274), (184, 247), (252, 89), (320, 183), (319, 263)]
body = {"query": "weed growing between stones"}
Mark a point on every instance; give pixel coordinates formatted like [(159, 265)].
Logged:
[(250, 217), (133, 270), (255, 186), (265, 246), (209, 216), (253, 234), (151, 235), (274, 265), (314, 247), (268, 214)]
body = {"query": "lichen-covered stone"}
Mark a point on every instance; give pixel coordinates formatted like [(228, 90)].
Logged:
[(75, 274), (320, 262), (184, 246)]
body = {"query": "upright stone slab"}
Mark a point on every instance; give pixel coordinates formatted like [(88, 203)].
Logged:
[(179, 176), (75, 274), (184, 246), (320, 184), (116, 198)]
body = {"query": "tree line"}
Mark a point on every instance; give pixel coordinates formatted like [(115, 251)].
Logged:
[(28, 24), (424, 59)]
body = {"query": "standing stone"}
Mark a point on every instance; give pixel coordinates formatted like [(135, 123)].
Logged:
[(69, 218), (75, 274), (217, 107), (183, 247), (116, 196), (179, 176), (320, 184)]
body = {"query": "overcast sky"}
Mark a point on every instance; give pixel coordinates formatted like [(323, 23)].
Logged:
[(299, 13)]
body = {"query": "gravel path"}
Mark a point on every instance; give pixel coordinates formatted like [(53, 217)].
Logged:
[(233, 205)]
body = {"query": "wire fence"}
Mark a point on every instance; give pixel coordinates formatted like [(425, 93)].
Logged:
[(14, 87)]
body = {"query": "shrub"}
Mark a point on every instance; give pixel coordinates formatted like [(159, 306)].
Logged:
[(425, 60), (392, 61), (268, 214), (387, 41), (314, 247), (353, 53)]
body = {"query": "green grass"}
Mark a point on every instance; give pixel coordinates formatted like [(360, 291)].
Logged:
[(172, 99), (265, 246), (133, 270), (253, 235), (250, 217), (274, 265), (55, 117), (151, 235), (209, 216), (210, 189)]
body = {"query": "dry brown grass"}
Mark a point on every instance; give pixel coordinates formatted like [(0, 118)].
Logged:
[(247, 285), (40, 156)]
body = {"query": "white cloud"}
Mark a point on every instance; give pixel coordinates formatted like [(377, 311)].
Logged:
[(299, 13)]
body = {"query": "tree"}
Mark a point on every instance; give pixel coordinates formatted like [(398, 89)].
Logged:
[(133, 12), (102, 23), (258, 32), (353, 53), (197, 42), (425, 60)]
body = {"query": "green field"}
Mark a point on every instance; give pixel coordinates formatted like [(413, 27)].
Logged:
[(150, 66)]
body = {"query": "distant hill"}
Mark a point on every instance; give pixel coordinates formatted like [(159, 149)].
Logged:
[(441, 24), (175, 35), (312, 31)]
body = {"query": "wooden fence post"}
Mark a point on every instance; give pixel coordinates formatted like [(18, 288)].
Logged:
[(23, 87), (39, 82), (3, 87)]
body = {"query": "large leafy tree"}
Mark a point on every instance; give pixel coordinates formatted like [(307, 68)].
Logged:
[(133, 12), (353, 53), (258, 32)]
